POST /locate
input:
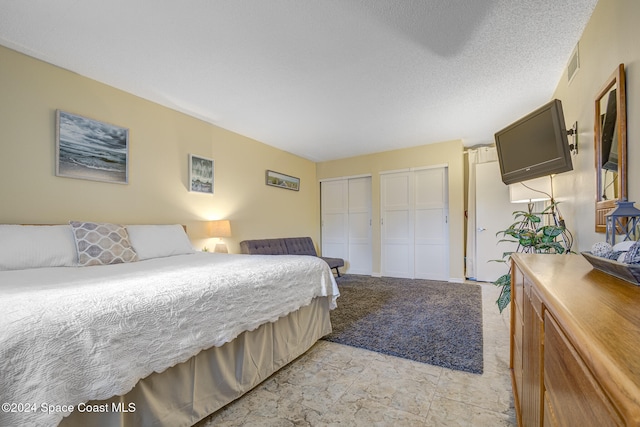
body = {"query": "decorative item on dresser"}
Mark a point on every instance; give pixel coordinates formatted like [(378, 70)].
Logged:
[(622, 221), (575, 341)]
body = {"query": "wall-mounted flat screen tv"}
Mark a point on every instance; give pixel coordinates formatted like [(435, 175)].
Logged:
[(534, 146)]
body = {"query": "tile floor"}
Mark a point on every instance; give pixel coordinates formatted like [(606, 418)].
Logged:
[(338, 385)]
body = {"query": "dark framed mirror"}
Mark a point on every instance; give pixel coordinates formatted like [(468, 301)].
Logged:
[(610, 138)]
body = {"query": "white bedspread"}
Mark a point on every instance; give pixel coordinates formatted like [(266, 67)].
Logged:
[(69, 335)]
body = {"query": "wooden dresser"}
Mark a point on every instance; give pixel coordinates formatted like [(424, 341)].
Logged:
[(575, 344)]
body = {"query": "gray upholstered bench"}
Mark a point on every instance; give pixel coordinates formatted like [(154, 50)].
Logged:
[(287, 246)]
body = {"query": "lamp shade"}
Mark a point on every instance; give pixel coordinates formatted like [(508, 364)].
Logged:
[(220, 228), (534, 190)]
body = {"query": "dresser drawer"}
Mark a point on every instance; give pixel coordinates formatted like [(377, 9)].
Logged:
[(573, 396), (517, 289)]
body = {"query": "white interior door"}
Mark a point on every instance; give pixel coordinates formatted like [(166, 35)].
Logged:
[(360, 247), (335, 218), (396, 200), (431, 224), (493, 213)]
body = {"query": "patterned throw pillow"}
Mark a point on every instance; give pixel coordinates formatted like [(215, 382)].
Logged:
[(101, 244)]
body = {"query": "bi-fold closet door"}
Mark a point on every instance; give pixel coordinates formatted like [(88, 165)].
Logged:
[(346, 222), (414, 223)]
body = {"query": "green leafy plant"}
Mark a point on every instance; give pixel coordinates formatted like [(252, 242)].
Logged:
[(532, 236)]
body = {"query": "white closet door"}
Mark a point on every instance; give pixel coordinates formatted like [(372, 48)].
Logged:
[(431, 224), (397, 243), (335, 218), (360, 226)]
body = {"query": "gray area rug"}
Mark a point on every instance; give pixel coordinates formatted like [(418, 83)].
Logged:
[(433, 322)]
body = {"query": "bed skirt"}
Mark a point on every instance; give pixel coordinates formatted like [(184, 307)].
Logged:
[(188, 392)]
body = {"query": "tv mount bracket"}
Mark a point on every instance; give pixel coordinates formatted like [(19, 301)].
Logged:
[(573, 132)]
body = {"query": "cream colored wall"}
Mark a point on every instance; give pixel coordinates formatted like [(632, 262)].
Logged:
[(449, 153), (160, 141), (160, 138), (610, 38)]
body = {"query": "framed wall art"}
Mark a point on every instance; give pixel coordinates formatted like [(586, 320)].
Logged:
[(281, 180), (200, 174), (90, 149)]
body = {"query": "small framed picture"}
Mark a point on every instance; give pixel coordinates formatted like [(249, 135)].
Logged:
[(200, 174), (281, 180), (90, 149)]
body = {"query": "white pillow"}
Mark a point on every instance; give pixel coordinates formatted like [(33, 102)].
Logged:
[(623, 246), (36, 246), (158, 241)]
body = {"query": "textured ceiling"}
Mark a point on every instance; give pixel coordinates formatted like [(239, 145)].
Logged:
[(321, 79)]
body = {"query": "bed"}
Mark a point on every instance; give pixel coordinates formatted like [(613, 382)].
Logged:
[(163, 335)]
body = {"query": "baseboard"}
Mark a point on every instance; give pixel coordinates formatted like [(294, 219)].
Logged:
[(376, 275)]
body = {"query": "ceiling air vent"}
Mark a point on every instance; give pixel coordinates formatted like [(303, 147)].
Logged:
[(574, 65)]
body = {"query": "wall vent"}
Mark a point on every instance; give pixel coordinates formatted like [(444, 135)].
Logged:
[(574, 64)]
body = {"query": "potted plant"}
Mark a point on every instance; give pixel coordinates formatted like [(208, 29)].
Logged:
[(532, 236)]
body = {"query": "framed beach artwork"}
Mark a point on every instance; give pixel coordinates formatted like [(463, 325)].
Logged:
[(200, 174), (90, 149), (281, 180)]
